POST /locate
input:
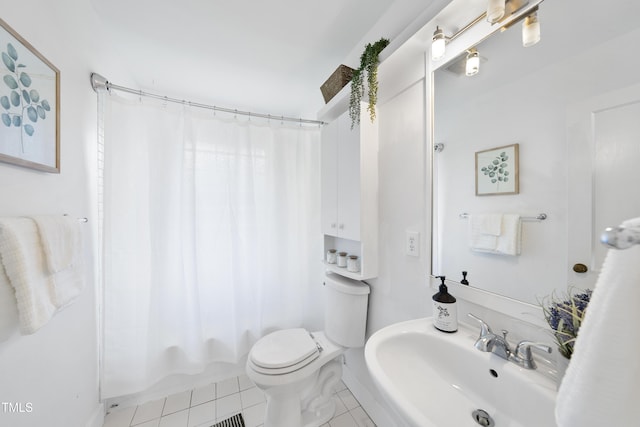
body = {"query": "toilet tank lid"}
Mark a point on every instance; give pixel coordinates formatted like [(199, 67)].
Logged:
[(346, 285)]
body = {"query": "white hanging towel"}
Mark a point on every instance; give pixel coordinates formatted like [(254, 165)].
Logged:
[(22, 258), (39, 293), (9, 320), (495, 233), (484, 230), (60, 236), (602, 383)]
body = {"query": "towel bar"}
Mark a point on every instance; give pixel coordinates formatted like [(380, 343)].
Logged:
[(81, 219), (620, 237), (539, 217)]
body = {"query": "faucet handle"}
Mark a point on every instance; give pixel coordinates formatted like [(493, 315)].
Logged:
[(484, 328), (522, 353)]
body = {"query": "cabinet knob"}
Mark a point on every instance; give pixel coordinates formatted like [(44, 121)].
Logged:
[(333, 225), (341, 227)]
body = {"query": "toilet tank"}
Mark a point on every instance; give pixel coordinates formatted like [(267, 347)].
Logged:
[(345, 312)]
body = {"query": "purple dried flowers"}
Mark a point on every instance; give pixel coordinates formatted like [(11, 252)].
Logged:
[(564, 315)]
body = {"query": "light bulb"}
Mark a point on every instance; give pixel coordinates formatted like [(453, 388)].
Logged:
[(530, 30), (438, 44), (473, 63), (495, 10)]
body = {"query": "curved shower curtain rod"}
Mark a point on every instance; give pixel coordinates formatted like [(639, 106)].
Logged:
[(99, 83)]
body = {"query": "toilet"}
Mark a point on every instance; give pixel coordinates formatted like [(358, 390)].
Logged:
[(298, 370)]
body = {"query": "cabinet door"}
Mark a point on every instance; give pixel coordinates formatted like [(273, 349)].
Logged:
[(329, 178), (348, 179)]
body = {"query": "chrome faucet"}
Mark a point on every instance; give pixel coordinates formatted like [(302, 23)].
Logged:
[(490, 342)]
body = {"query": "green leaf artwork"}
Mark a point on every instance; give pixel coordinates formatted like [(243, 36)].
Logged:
[(496, 171), (22, 104)]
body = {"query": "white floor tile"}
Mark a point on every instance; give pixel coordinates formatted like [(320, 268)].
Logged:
[(177, 402), (348, 399), (152, 423), (251, 396), (361, 417), (340, 408), (234, 395), (177, 419), (148, 411), (245, 382), (344, 420), (119, 417), (254, 416), (340, 386), (227, 387), (227, 406), (203, 394), (202, 414)]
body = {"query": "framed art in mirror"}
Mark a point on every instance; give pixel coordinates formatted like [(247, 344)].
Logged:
[(497, 171), (29, 105)]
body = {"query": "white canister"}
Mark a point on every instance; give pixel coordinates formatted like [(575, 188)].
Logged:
[(353, 263), (342, 259), (332, 256)]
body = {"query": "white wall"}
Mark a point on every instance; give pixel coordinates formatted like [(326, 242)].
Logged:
[(56, 369), (401, 290)]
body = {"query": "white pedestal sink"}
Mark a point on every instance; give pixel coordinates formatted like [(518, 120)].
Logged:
[(438, 379)]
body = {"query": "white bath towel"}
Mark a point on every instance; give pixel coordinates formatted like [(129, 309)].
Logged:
[(9, 320), (39, 293), (509, 242), (602, 384), (60, 237), (483, 236), (22, 258), (484, 230)]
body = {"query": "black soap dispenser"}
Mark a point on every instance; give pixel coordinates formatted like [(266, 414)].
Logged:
[(445, 311)]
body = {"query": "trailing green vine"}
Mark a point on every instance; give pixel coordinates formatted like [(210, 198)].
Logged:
[(368, 63)]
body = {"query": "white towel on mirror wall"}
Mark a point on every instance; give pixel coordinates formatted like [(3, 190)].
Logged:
[(509, 242), (602, 383), (495, 233), (38, 292), (484, 230)]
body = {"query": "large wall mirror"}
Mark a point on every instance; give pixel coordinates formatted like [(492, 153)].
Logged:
[(571, 103)]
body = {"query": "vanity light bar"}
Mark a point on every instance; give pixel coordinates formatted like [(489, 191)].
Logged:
[(507, 8), (539, 217)]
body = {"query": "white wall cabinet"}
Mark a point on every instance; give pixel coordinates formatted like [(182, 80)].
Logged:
[(349, 182)]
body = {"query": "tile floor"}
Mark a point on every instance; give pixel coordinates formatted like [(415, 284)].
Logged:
[(202, 407)]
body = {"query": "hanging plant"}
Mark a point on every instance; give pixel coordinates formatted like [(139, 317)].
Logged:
[(369, 64)]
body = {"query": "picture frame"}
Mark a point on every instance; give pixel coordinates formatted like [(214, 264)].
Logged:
[(29, 105), (497, 171)]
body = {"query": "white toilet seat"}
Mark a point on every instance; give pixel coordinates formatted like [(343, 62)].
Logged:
[(283, 352)]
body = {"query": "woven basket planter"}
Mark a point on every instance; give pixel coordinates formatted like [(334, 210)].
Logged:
[(334, 84)]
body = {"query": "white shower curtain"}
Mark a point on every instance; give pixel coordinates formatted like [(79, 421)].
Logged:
[(210, 237)]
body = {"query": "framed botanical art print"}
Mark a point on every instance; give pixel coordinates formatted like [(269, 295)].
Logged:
[(29, 105), (497, 171)]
